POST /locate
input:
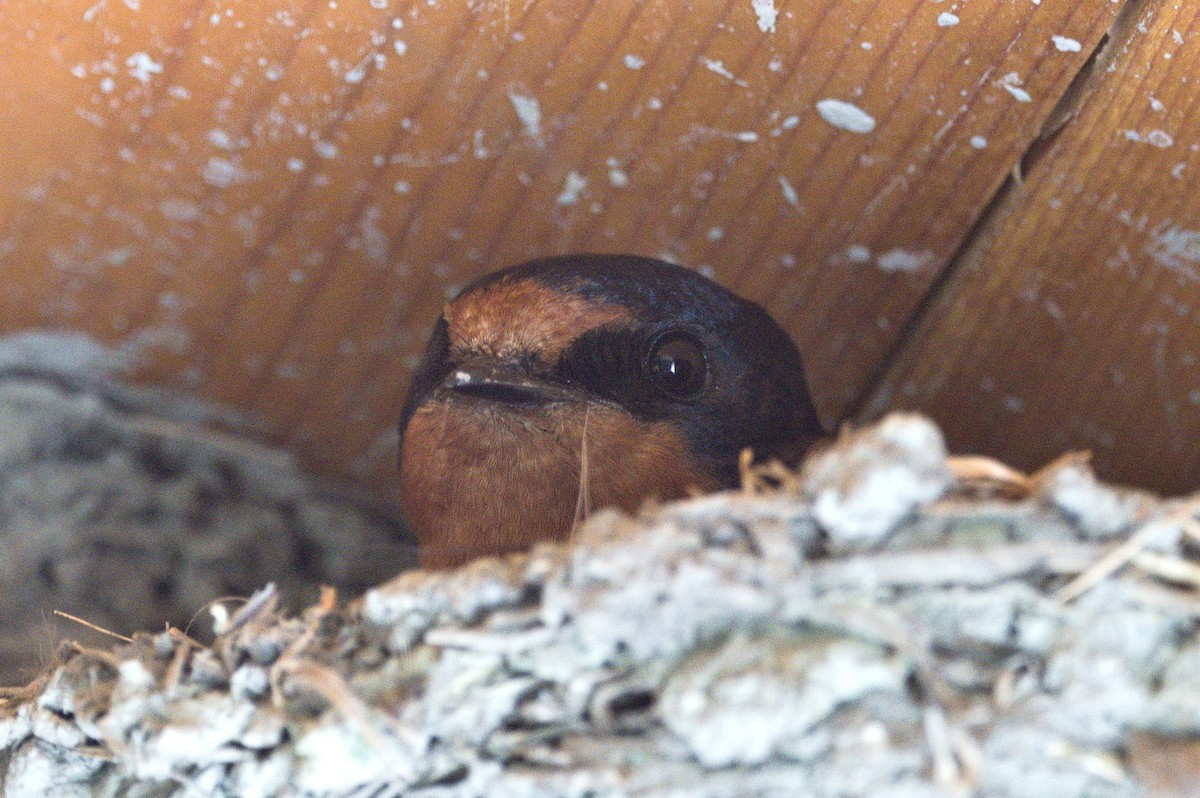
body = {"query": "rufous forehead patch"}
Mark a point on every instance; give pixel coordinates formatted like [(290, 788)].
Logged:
[(522, 318)]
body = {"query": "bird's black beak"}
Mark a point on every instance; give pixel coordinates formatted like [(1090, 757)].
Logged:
[(504, 384)]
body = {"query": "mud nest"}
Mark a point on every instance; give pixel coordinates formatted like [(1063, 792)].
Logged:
[(888, 622)]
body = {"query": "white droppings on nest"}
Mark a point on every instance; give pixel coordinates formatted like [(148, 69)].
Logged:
[(529, 112), (845, 116), (866, 486), (766, 14), (634, 61), (947, 19), (1065, 44), (979, 142)]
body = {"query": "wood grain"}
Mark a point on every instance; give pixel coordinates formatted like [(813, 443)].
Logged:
[(269, 203), (1072, 322)]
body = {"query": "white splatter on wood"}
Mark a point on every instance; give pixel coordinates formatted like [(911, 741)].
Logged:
[(845, 116), (903, 260), (767, 14), (719, 68), (1012, 83), (143, 67), (617, 177), (947, 20), (858, 253), (178, 209), (1178, 249), (1155, 138), (789, 192), (978, 142), (222, 173), (573, 187), (1065, 44), (634, 61), (400, 46), (529, 111)]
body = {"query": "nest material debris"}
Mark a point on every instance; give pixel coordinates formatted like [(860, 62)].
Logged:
[(875, 625)]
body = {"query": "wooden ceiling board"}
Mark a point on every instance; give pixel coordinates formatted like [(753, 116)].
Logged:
[(1071, 323), (268, 203)]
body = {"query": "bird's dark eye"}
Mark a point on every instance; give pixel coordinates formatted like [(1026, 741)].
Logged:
[(677, 365)]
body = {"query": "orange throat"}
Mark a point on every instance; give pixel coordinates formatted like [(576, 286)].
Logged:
[(480, 478)]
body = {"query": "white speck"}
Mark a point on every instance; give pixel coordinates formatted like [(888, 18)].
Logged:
[(400, 47), (220, 139), (901, 260), (1011, 83), (1176, 36), (529, 112), (397, 23), (1156, 104), (602, 85), (358, 72), (789, 192), (178, 209), (1066, 45), (295, 164), (107, 85), (325, 149), (222, 173), (297, 276), (573, 186), (634, 62), (845, 116), (379, 3), (120, 256), (978, 142), (179, 92), (1159, 138), (857, 253), (775, 64), (718, 67), (79, 71), (401, 187), (1177, 170), (747, 136), (767, 14), (947, 20), (1155, 138), (790, 122), (1014, 404), (654, 104), (1178, 249), (143, 67), (866, 45), (716, 233), (617, 177)]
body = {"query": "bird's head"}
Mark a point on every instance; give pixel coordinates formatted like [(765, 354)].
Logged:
[(668, 375)]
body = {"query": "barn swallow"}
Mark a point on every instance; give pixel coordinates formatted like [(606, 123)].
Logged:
[(601, 380)]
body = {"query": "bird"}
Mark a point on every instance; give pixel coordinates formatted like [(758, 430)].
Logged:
[(584, 381)]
